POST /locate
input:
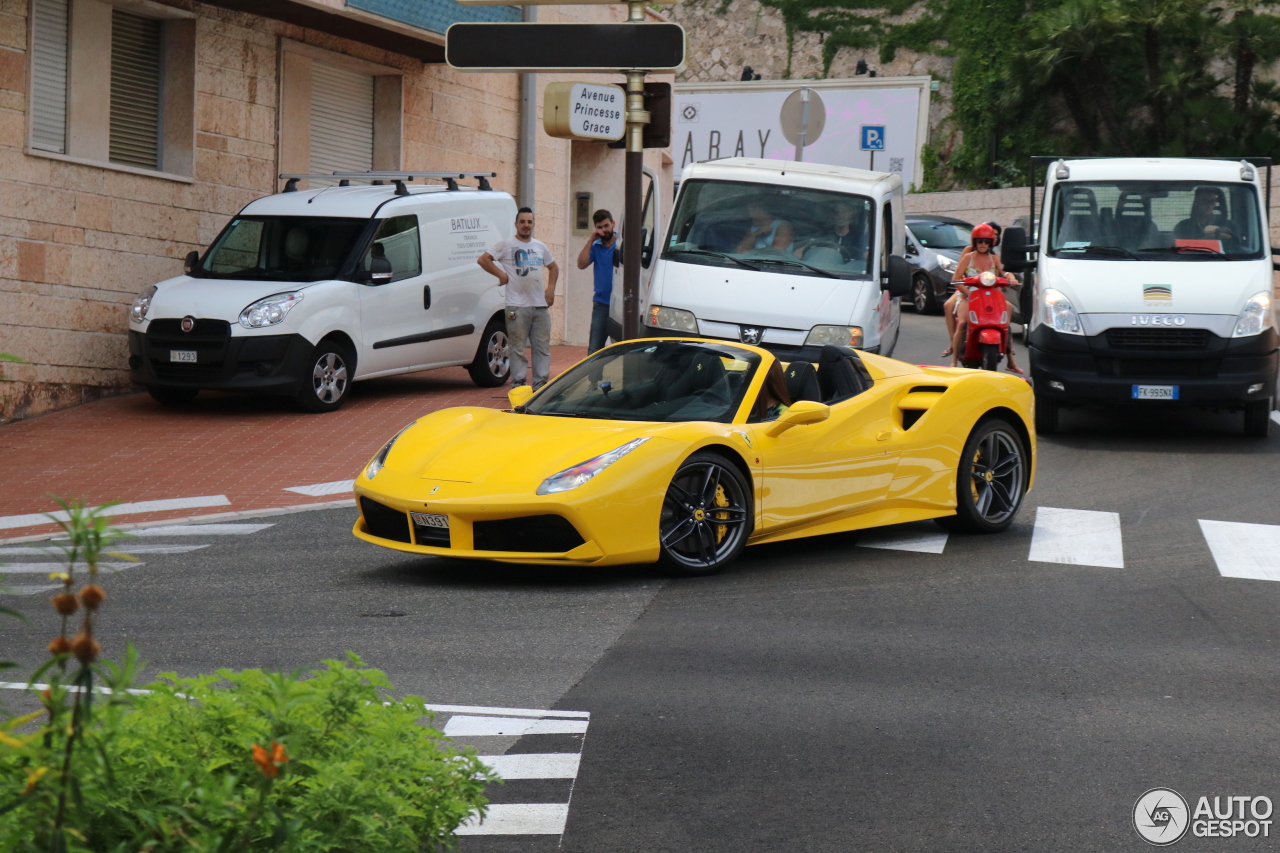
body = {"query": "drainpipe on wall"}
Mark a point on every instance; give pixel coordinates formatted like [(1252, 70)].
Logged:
[(528, 143)]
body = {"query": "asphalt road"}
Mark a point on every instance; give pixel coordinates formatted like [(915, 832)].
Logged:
[(820, 695)]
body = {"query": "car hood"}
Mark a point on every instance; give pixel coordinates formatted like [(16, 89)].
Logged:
[(1119, 287), (214, 298), (477, 445), (776, 300)]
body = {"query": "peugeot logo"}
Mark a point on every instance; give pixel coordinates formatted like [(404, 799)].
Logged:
[(188, 323), (750, 335)]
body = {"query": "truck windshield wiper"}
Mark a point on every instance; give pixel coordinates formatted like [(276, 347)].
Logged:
[(1103, 250), (796, 263), (1195, 250), (710, 254)]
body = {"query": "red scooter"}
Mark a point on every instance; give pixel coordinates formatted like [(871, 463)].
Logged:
[(987, 341)]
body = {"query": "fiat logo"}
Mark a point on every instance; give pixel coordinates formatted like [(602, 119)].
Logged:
[(188, 323)]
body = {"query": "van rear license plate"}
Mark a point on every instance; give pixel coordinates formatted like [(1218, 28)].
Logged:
[(1155, 392), (187, 356), (423, 519)]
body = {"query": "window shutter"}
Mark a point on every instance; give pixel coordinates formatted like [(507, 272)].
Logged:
[(341, 120), (49, 76), (135, 90)]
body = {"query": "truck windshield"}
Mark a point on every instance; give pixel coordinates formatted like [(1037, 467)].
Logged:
[(1155, 221), (281, 248), (790, 230)]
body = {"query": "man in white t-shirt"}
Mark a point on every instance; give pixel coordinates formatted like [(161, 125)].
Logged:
[(521, 263)]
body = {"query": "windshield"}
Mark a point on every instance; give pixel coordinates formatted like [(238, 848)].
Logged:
[(668, 381), (281, 248), (781, 229), (1155, 220), (941, 235)]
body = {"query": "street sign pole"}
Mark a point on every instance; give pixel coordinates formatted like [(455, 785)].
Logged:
[(637, 118), (804, 122)]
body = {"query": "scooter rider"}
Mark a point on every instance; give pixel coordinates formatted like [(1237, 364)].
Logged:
[(979, 257)]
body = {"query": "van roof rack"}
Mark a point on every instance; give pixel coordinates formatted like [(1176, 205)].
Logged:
[(377, 177)]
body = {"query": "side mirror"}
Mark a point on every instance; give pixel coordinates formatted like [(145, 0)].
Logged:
[(1014, 250), (519, 395), (646, 250), (190, 262), (802, 413), (1275, 250), (911, 249), (897, 279), (379, 270)]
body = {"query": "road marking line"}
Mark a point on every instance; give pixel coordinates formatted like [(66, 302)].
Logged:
[(1244, 550), (505, 712), (46, 568), (468, 726), (26, 589), (34, 550), (518, 819), (1275, 416), (37, 518), (544, 765), (1077, 537), (202, 530), (922, 536), (337, 487)]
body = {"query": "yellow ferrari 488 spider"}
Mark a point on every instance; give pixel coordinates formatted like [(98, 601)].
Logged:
[(686, 451)]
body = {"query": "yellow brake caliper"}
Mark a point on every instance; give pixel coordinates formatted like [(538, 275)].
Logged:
[(973, 485), (721, 500)]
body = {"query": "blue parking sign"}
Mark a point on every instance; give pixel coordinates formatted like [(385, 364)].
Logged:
[(873, 137)]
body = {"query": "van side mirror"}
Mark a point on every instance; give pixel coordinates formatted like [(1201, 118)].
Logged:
[(897, 279), (646, 250), (379, 272), (801, 413), (519, 395), (191, 261), (1014, 250), (1275, 250)]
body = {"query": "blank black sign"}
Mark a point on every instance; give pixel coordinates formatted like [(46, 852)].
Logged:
[(566, 47)]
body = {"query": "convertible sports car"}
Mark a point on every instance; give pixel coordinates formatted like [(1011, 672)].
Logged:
[(674, 450)]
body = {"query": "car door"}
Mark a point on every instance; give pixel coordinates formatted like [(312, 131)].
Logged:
[(829, 468), (650, 231), (395, 319)]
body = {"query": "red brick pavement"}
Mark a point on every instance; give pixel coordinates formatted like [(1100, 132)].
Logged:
[(247, 448)]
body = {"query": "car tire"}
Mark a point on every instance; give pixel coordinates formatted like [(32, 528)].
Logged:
[(168, 396), (1257, 418), (1046, 415), (492, 364), (991, 480), (706, 516), (327, 382), (922, 296)]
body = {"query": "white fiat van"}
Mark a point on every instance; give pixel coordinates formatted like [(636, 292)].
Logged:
[(785, 255), (305, 292), (1153, 287)]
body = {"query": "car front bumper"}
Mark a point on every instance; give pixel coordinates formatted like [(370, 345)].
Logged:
[(273, 364)]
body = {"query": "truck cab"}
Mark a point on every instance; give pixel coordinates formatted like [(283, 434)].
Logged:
[(1153, 287)]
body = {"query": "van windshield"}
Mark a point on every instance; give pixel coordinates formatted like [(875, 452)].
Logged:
[(281, 248), (1155, 221), (790, 230)]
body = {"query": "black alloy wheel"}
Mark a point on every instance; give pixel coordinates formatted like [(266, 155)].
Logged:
[(172, 396), (922, 295), (492, 364), (706, 516), (326, 385), (1257, 418), (990, 356), (991, 479)]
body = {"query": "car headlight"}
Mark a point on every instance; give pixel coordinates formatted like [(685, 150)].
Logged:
[(946, 264), (269, 311), (838, 336), (672, 318), (375, 464), (571, 478), (141, 305), (1059, 315), (1256, 316)]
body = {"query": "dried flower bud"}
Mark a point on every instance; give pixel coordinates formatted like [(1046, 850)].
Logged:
[(92, 596), (85, 648), (65, 604), (60, 646)]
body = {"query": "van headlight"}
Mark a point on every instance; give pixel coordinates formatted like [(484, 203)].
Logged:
[(837, 336), (141, 305), (672, 318), (571, 478), (1059, 315), (270, 311), (1255, 317)]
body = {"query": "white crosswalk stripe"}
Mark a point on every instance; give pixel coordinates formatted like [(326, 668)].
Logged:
[(56, 551), (35, 519), (1244, 550), (468, 726), (45, 568), (542, 765), (337, 487), (518, 819), (922, 536), (1077, 537), (201, 530)]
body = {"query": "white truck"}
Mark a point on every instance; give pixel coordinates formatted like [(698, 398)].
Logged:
[(305, 292), (1153, 287)]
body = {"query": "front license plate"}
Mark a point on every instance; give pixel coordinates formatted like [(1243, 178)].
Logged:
[(1155, 392), (423, 519), (183, 355)]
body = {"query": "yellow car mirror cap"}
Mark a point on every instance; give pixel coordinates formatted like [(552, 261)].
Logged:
[(802, 413), (519, 395)]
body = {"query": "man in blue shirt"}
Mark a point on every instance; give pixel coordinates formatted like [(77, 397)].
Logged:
[(602, 251)]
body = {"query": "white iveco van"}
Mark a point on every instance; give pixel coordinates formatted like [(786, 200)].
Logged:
[(1153, 287), (785, 255), (305, 292)]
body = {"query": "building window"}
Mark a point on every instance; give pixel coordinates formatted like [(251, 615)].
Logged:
[(135, 90), (341, 120), (49, 75)]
